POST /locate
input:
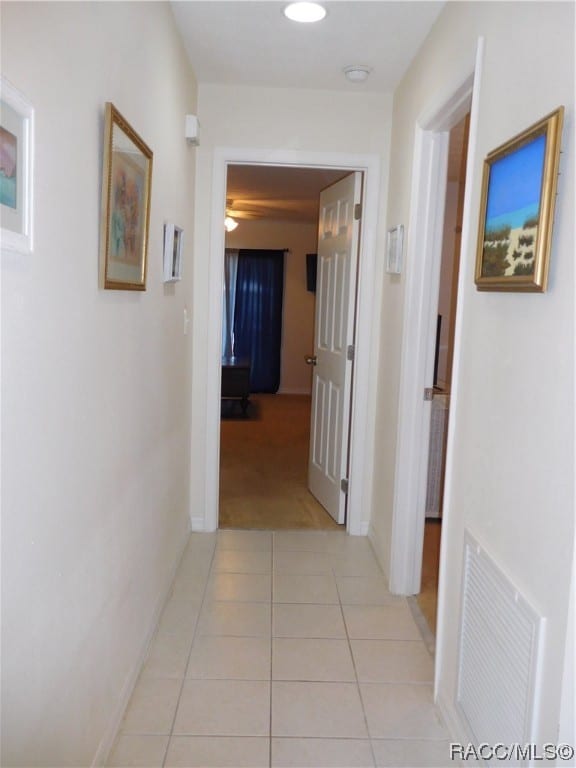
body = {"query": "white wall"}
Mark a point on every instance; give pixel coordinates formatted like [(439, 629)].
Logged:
[(512, 456), (275, 119), (95, 384), (298, 305)]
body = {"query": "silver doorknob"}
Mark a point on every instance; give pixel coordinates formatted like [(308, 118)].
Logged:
[(310, 359)]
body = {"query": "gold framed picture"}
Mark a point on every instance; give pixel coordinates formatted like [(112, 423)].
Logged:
[(519, 183), (126, 185)]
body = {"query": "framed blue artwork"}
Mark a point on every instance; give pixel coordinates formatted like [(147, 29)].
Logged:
[(517, 209)]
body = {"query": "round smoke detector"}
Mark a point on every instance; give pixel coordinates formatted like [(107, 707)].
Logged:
[(357, 73)]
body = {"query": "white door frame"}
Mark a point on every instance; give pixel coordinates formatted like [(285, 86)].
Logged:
[(363, 397), (421, 307)]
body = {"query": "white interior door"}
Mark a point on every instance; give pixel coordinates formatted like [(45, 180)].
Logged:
[(338, 239)]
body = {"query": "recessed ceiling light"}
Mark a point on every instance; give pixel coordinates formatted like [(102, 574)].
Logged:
[(357, 73), (305, 12)]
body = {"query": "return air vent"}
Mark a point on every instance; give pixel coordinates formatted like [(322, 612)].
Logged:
[(500, 641)]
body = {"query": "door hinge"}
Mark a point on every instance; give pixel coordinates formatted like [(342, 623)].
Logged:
[(344, 485), (357, 211), (429, 394), (350, 352)]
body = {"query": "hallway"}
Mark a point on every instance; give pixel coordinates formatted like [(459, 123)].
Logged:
[(283, 649)]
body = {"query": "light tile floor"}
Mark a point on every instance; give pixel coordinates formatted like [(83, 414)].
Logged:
[(283, 649)]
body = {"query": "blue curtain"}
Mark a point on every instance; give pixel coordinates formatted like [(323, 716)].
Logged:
[(258, 315)]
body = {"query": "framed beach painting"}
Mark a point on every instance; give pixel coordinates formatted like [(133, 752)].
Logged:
[(126, 185), (517, 209), (16, 161)]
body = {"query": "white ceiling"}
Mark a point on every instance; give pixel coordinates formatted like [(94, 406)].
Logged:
[(247, 42), (251, 43), (268, 192)]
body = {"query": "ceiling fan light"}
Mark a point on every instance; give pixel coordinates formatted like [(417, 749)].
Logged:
[(305, 12), (230, 224), (357, 73)]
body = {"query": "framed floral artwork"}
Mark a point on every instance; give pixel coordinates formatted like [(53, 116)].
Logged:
[(126, 186)]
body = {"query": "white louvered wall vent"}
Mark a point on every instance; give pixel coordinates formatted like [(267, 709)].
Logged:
[(500, 643)]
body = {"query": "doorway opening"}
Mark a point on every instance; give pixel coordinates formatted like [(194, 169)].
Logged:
[(443, 358), (264, 433), (361, 459), (431, 153)]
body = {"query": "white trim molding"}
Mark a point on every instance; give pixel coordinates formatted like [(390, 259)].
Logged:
[(422, 283), (365, 528), (363, 398), (417, 362), (197, 524)]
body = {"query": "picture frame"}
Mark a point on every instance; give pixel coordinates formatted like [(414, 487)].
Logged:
[(519, 183), (16, 170), (394, 249), (173, 238), (125, 218)]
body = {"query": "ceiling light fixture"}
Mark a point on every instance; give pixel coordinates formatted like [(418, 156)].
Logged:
[(305, 12), (357, 73), (230, 224)]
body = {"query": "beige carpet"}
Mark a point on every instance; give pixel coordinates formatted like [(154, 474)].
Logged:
[(264, 466)]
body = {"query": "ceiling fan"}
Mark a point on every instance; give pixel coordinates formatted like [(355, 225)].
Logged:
[(247, 209), (269, 208)]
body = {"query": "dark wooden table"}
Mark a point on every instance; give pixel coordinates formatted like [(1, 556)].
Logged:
[(236, 380)]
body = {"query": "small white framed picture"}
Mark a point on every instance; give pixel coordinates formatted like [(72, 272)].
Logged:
[(173, 237), (394, 247), (16, 165)]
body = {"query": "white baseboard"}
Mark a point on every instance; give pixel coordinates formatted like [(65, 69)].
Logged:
[(197, 524), (115, 721), (364, 528), (453, 721), (371, 533), (291, 391)]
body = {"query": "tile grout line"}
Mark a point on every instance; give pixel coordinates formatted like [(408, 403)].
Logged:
[(348, 639), (422, 640), (370, 738), (204, 591), (209, 572), (426, 633)]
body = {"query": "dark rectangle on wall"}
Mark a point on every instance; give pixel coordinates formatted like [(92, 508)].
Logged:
[(437, 350), (311, 268)]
